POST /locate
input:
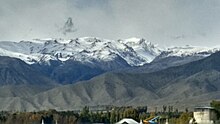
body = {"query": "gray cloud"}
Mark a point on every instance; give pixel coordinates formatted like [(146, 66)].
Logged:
[(159, 21)]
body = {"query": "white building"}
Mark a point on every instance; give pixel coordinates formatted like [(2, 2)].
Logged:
[(42, 121), (128, 121), (205, 115)]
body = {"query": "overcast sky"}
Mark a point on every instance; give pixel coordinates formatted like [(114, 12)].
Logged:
[(163, 22)]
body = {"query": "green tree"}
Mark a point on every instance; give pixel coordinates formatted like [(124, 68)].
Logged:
[(164, 108), (216, 105), (143, 116), (84, 115), (113, 116), (131, 113)]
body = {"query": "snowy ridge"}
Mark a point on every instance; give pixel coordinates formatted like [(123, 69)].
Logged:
[(134, 51), (187, 51), (190, 51)]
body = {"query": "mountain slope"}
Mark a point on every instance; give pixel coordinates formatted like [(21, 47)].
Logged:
[(18, 79), (184, 85), (15, 72), (23, 90), (192, 80)]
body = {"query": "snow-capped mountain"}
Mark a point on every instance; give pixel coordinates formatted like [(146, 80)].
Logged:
[(134, 51), (186, 51)]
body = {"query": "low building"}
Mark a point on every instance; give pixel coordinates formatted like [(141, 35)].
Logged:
[(128, 121), (204, 115), (42, 121)]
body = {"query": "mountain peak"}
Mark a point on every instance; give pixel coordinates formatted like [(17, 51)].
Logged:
[(135, 51)]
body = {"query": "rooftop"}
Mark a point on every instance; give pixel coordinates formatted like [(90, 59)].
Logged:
[(204, 107)]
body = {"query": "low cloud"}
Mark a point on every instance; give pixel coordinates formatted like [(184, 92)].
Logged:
[(156, 20)]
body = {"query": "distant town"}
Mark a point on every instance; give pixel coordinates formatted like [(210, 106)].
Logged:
[(118, 115)]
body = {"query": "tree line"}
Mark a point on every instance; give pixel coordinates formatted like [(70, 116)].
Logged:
[(110, 115)]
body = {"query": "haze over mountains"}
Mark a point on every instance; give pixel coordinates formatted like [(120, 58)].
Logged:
[(104, 72)]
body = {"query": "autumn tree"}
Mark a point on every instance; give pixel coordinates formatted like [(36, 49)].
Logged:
[(184, 118)]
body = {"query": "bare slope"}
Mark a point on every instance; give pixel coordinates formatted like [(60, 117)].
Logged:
[(15, 72), (172, 85), (194, 83), (19, 79)]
